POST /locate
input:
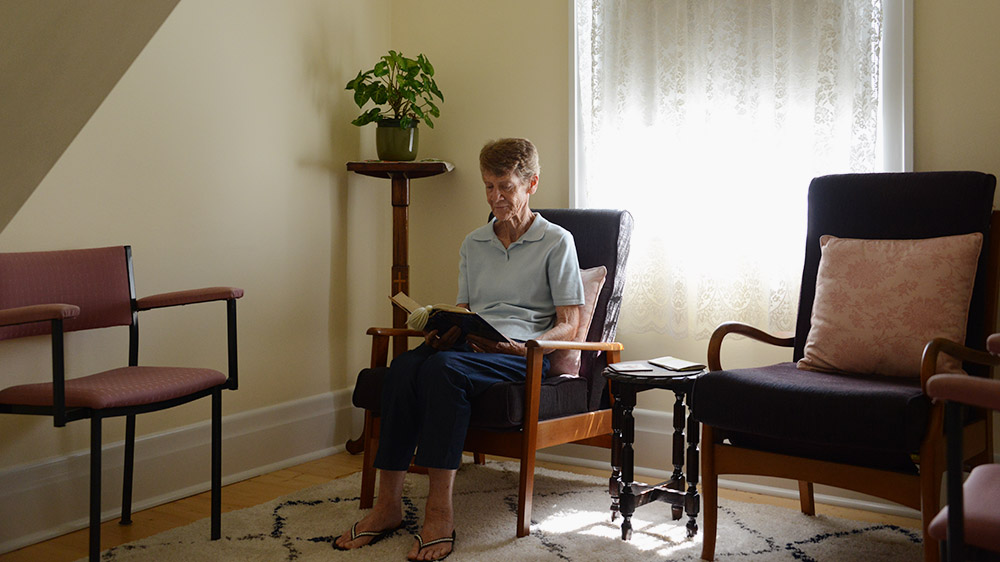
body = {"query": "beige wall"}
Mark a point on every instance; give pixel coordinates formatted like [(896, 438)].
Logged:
[(956, 80), (503, 68), (219, 157)]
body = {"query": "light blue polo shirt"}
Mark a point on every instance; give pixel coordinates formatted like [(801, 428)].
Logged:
[(517, 289)]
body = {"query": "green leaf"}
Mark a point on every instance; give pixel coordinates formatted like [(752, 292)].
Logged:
[(381, 68), (361, 97), (398, 60), (425, 65), (367, 117)]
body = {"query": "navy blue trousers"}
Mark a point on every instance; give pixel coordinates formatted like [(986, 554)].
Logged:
[(427, 402)]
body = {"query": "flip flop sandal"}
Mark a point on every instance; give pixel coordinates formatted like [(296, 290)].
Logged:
[(379, 535), (422, 545)]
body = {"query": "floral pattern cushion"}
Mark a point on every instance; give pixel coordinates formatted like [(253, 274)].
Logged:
[(878, 303), (567, 361)]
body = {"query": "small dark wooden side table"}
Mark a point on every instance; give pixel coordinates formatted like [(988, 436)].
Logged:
[(400, 173), (681, 491)]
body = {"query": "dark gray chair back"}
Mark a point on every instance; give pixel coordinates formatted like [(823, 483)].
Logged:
[(899, 206), (602, 238)]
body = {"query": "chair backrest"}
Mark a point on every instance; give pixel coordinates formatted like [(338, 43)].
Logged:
[(602, 238), (902, 206), (98, 280)]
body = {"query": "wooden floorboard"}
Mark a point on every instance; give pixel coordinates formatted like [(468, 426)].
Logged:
[(269, 486)]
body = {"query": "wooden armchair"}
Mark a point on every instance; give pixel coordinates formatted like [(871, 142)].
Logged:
[(875, 434), (71, 290), (516, 419)]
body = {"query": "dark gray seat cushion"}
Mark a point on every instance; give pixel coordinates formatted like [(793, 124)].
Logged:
[(501, 406), (869, 420)]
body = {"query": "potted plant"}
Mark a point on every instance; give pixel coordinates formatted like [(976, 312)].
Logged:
[(403, 90)]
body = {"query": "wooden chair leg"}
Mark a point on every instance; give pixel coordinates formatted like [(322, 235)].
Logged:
[(479, 458), (709, 493), (524, 494), (370, 437), (806, 499)]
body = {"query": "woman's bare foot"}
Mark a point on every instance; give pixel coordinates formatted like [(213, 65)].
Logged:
[(378, 519)]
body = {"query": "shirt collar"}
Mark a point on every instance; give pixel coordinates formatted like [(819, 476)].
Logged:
[(535, 232)]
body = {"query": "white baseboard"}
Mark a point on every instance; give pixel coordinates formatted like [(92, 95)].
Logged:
[(46, 499)]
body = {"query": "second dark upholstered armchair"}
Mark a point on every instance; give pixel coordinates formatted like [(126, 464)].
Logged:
[(875, 430)]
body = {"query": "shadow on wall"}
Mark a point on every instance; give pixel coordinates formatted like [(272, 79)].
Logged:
[(67, 57), (331, 51)]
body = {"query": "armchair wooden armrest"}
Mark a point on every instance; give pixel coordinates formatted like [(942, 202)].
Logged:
[(37, 313), (380, 342), (191, 296), (581, 345), (392, 332), (726, 328), (937, 346)]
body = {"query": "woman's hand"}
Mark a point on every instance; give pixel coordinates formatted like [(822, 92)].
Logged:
[(484, 345), (443, 342)]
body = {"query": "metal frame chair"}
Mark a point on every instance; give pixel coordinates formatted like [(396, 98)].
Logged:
[(71, 290)]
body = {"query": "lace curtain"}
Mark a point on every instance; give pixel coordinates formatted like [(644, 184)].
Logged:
[(707, 119)]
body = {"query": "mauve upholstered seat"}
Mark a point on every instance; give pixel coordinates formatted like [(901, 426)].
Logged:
[(117, 388), (982, 510)]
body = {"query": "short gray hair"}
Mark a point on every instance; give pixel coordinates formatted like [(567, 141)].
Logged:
[(508, 156)]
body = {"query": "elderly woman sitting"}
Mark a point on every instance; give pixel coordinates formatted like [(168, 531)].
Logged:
[(520, 273)]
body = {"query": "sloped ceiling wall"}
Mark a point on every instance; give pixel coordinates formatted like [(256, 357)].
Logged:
[(58, 61)]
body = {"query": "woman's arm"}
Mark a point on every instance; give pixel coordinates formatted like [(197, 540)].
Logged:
[(567, 319)]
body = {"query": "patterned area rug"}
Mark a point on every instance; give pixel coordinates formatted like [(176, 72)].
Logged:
[(570, 522)]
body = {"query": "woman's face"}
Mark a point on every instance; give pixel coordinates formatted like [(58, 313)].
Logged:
[(508, 194)]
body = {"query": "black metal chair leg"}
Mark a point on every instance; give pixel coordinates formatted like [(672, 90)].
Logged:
[(95, 488), (956, 509), (128, 469), (216, 464)]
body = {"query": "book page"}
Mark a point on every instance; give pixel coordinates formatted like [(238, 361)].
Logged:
[(402, 300)]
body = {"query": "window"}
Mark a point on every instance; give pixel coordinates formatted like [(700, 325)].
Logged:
[(707, 119)]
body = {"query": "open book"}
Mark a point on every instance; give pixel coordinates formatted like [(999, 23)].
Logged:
[(442, 317)]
